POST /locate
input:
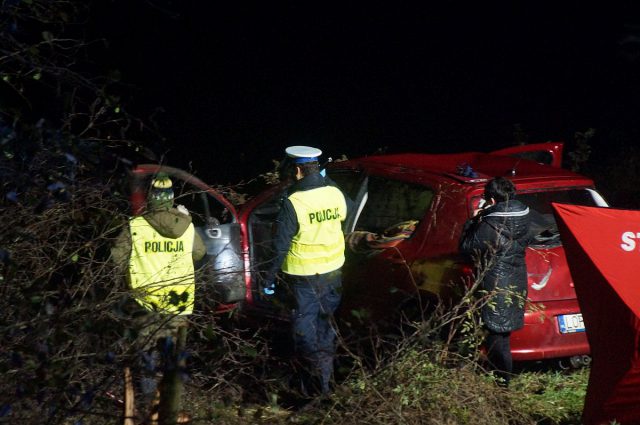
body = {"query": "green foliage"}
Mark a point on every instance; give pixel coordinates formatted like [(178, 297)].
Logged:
[(46, 85), (582, 151), (65, 332), (61, 321), (617, 174), (555, 397), (414, 387), (273, 176), (361, 314)]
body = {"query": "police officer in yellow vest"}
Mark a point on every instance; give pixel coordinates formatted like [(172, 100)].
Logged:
[(158, 250), (309, 246)]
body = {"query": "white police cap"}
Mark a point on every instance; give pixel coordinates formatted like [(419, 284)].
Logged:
[(302, 154)]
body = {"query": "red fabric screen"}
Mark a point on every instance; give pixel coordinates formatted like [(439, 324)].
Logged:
[(603, 252)]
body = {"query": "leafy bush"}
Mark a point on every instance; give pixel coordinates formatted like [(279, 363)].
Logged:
[(553, 397), (416, 387)]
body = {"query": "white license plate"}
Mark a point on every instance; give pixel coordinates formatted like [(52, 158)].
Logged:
[(570, 323)]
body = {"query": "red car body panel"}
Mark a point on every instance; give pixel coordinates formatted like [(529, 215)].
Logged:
[(540, 338), (432, 253), (428, 262), (138, 190)]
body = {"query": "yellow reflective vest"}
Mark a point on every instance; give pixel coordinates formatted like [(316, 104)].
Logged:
[(161, 269), (318, 247)]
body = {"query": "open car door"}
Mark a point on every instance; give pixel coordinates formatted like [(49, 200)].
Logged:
[(222, 273), (549, 153)]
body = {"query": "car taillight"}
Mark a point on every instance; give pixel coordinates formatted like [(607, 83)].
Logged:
[(467, 270), (467, 275)]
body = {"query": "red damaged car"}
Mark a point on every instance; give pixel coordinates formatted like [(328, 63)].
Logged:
[(403, 236)]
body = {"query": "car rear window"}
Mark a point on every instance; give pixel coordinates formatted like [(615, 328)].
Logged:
[(541, 201), (544, 230)]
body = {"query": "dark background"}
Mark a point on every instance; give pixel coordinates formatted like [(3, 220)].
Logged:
[(233, 85)]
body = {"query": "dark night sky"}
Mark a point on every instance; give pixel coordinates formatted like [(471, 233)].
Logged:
[(239, 83)]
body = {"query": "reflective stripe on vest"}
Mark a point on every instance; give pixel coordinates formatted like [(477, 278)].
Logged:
[(318, 247), (161, 269)]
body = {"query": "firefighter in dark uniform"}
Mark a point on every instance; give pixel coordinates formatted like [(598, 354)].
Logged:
[(309, 246)]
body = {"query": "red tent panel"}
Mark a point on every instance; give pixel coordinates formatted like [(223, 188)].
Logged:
[(603, 252)]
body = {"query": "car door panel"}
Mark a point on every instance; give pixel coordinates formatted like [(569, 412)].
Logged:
[(377, 273), (223, 265)]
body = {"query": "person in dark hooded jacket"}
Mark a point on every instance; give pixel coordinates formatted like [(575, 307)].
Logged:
[(497, 237)]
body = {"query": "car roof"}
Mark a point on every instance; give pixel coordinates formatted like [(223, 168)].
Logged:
[(485, 166)]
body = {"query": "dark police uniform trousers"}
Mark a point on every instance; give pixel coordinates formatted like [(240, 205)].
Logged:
[(316, 299)]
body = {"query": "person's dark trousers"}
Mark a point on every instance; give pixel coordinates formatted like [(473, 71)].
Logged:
[(499, 355), (156, 334), (317, 298)]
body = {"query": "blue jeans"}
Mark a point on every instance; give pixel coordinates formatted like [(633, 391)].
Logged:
[(317, 297)]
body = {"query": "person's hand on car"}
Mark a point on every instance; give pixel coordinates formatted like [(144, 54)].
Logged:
[(182, 209), (269, 288), (483, 204)]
